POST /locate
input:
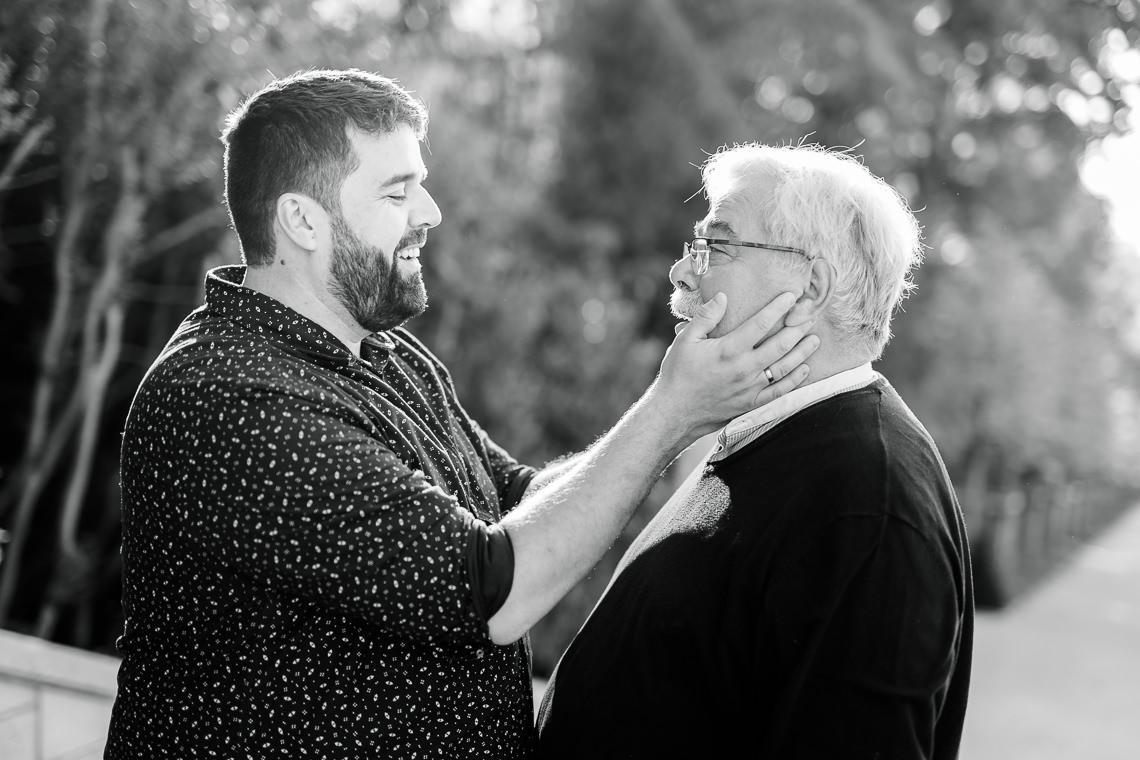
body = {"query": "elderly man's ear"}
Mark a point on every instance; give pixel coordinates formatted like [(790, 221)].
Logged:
[(812, 303)]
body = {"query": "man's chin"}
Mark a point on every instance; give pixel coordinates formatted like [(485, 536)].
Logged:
[(410, 302), (392, 319)]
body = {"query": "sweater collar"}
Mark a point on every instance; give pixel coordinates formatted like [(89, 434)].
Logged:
[(751, 425)]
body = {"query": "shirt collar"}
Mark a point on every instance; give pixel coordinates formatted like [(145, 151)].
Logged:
[(751, 425), (257, 312)]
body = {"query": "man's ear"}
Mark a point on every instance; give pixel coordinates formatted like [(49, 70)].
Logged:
[(301, 220), (817, 294)]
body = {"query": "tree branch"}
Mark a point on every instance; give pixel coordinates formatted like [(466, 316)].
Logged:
[(205, 220), (28, 143)]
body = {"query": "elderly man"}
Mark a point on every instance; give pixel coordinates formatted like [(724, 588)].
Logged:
[(806, 593), (324, 556)]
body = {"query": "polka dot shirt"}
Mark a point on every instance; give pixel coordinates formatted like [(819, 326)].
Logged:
[(298, 533)]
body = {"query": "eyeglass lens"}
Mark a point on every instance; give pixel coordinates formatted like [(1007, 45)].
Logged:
[(699, 250)]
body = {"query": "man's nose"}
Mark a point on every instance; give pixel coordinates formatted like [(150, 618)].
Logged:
[(681, 274), (427, 213)]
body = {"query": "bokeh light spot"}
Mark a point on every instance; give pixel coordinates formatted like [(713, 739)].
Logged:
[(964, 145), (771, 92), (930, 17)]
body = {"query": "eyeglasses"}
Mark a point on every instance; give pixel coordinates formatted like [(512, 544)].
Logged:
[(699, 249)]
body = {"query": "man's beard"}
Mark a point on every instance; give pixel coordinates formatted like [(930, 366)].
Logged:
[(684, 303), (375, 295)]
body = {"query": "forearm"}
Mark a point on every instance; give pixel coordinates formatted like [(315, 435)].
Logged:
[(552, 471), (565, 525), (573, 513)]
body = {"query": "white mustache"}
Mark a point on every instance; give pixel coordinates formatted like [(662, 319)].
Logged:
[(684, 303)]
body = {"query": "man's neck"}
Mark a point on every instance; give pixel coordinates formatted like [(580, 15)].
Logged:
[(292, 292), (824, 364)]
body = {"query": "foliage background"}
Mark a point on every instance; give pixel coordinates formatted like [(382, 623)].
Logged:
[(563, 143)]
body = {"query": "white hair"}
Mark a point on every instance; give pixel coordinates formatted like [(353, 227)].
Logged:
[(830, 205)]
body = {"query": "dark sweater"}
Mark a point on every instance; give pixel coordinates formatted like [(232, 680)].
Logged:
[(809, 597)]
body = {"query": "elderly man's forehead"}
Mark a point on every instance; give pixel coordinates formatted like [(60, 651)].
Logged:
[(730, 215), (736, 199)]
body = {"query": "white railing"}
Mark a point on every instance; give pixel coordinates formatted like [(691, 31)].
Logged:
[(55, 701)]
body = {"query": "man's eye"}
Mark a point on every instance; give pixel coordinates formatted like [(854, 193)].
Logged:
[(718, 249), (397, 197)]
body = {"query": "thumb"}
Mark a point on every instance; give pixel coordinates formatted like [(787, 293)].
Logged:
[(708, 316)]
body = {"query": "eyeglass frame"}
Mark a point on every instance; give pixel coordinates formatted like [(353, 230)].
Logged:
[(700, 256)]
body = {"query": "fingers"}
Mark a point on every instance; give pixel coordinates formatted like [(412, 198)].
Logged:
[(750, 332), (706, 319), (788, 370), (790, 381), (795, 318), (782, 351), (788, 363)]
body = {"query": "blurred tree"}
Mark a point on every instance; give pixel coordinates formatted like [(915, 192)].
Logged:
[(110, 114), (562, 151), (118, 85), (1014, 349)]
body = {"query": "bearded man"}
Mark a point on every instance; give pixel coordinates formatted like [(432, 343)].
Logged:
[(324, 555)]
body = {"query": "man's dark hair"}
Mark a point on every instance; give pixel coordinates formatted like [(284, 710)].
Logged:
[(292, 137)]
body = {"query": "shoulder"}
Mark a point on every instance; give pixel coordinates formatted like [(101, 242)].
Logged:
[(211, 365), (218, 353), (913, 465), (870, 430), (860, 453)]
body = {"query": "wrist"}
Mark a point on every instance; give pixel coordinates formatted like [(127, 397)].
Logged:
[(678, 426)]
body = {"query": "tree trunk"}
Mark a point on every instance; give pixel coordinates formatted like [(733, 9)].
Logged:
[(102, 344), (75, 210), (33, 473)]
